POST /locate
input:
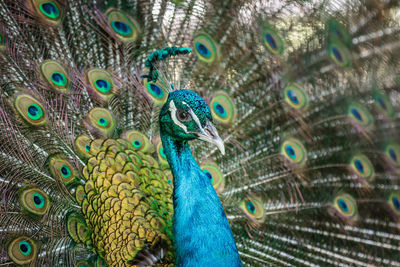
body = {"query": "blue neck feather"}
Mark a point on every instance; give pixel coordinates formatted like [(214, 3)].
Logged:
[(202, 233)]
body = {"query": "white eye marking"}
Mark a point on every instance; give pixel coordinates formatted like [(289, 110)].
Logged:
[(195, 118), (173, 109)]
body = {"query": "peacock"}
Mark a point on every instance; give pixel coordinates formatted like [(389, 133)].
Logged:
[(199, 133)]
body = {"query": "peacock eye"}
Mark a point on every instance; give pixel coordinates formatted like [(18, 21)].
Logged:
[(183, 116)]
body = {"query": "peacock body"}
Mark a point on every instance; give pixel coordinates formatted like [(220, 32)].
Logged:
[(95, 123)]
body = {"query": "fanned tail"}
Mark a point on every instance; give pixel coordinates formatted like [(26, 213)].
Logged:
[(304, 94)]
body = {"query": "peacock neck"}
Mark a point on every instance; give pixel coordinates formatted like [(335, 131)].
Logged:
[(202, 233)]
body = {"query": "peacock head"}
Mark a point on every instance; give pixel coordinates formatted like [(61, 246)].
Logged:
[(186, 116)]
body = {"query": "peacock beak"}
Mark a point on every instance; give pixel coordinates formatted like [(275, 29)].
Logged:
[(210, 134)]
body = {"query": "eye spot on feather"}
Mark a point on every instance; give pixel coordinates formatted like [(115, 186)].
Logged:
[(393, 202), (35, 112), (59, 79), (392, 154), (290, 151), (65, 171), (56, 76), (359, 115), (103, 85), (214, 174), (223, 108), (272, 40), (121, 28), (363, 167), (82, 146), (136, 144), (295, 96), (50, 10), (250, 207), (359, 166), (126, 28), (356, 114), (38, 200), (346, 207), (383, 104), (102, 122), (339, 54), (22, 250), (2, 42), (156, 90), (35, 201), (294, 151), (396, 203), (62, 170), (208, 174), (253, 209), (83, 231), (25, 247), (343, 206), (139, 141), (206, 48), (219, 109), (203, 50), (30, 110)]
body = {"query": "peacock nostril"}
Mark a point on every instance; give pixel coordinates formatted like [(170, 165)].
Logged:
[(209, 132)]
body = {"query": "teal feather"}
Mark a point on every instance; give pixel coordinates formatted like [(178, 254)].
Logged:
[(304, 95)]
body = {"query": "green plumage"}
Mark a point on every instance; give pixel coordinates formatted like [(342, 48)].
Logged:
[(303, 93)]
